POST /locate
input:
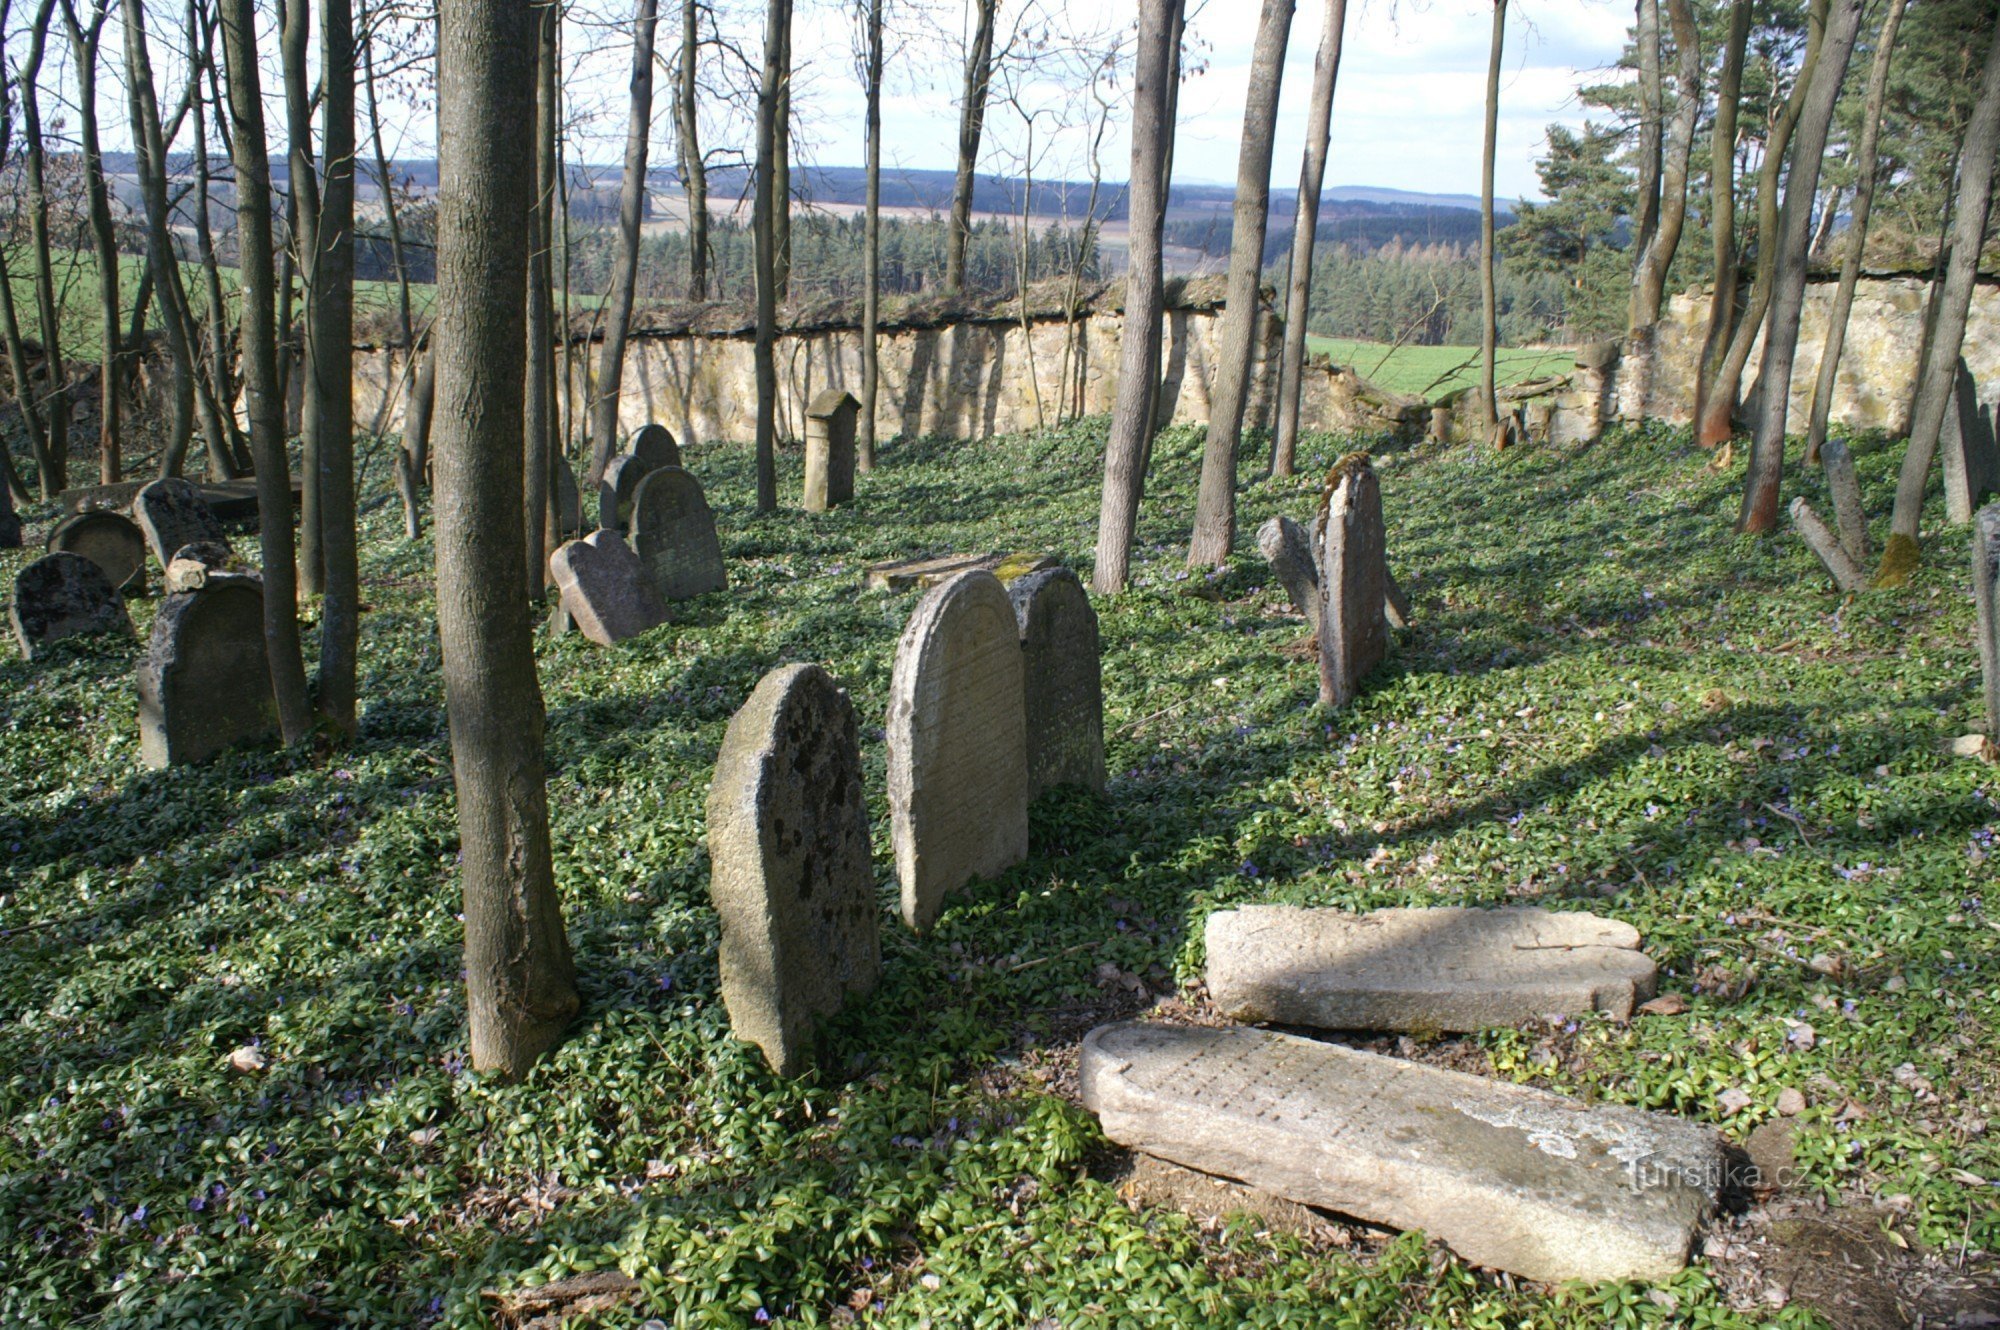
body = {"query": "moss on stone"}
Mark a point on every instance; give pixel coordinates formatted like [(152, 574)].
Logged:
[(1899, 562)]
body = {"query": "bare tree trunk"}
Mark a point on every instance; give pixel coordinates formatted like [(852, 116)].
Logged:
[(871, 241), (17, 351), (259, 337), (1652, 121), (1305, 228), (330, 369), (83, 44), (971, 126), (392, 214), (1489, 298), (1722, 204), (1829, 213), (1857, 230), (520, 976), (1215, 504), (694, 170), (538, 420), (215, 396), (1764, 476), (1938, 376), (1649, 276), (48, 305), (625, 272), (1127, 448), (778, 23), (294, 38), (1176, 53), (781, 176)]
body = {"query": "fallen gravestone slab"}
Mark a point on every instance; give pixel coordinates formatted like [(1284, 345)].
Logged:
[(673, 533), (604, 589), (110, 540), (64, 595), (792, 878), (1354, 581), (1063, 681), (1510, 1177), (902, 574), (204, 685), (654, 446), (958, 765), (173, 513), (1446, 968)]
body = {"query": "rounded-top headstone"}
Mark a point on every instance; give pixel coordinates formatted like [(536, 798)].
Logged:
[(958, 766), (1063, 681), (673, 533), (654, 446), (110, 540), (173, 513), (64, 595), (569, 501), (622, 475), (204, 685)]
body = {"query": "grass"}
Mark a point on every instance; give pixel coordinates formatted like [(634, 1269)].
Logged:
[(1607, 701), (1432, 372)]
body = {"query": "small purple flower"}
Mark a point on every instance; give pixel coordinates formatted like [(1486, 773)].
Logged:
[(762, 1316)]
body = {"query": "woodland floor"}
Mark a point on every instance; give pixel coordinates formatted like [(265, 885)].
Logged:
[(1607, 701)]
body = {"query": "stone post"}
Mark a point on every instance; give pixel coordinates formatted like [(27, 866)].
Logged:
[(1986, 594), (830, 427)]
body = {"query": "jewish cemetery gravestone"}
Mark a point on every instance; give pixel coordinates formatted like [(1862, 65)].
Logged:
[(568, 501), (1971, 453), (1353, 629), (673, 533), (792, 876), (830, 425), (1508, 1176), (614, 493), (64, 595), (172, 513), (1288, 550), (604, 589), (654, 446), (1062, 681), (204, 685), (109, 540), (10, 521), (1986, 595), (193, 565), (958, 765)]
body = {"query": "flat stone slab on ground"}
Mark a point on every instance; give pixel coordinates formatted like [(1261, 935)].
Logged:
[(903, 574), (1446, 968), (1509, 1176), (229, 500)]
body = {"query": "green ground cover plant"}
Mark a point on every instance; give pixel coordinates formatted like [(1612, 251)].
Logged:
[(1607, 701)]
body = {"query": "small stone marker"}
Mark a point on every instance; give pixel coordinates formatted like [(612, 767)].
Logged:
[(604, 588), (958, 765), (568, 500), (172, 513), (1986, 594), (193, 565), (204, 685), (673, 533), (110, 540), (902, 574), (1971, 453), (654, 446), (1353, 630), (1063, 681), (830, 420), (1446, 968), (614, 493), (64, 595), (792, 876), (1510, 1177)]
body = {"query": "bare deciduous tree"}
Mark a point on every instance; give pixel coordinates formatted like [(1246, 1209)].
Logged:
[(1489, 321), (631, 210)]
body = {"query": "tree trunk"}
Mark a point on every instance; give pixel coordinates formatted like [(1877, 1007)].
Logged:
[(520, 977), (391, 213), (871, 242), (83, 43), (1652, 120), (1305, 227), (538, 418), (330, 369), (1175, 53), (694, 170), (10, 323), (1215, 504), (1722, 204), (48, 304), (259, 337), (625, 272), (1126, 450), (1489, 298), (1649, 277), (1857, 230), (294, 38), (1938, 376), (971, 125), (215, 395), (778, 23), (1764, 476), (781, 176)]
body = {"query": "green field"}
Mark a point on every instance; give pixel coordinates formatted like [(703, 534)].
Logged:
[(1431, 372)]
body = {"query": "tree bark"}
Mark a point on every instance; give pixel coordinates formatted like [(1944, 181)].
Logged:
[(1938, 375), (215, 394), (1652, 121), (10, 322), (83, 43), (330, 369), (1649, 276), (781, 177), (871, 242), (259, 337), (1857, 230), (1489, 297), (1722, 204), (48, 305), (294, 39), (1764, 476), (538, 419), (625, 271), (1305, 228), (1127, 448), (777, 24), (392, 214), (694, 170), (971, 126), (520, 976), (1215, 503)]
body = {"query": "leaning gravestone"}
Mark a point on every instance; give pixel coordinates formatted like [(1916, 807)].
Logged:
[(1287, 548), (1508, 1176), (1986, 595), (654, 446), (792, 876), (64, 595), (830, 421), (172, 513), (109, 540), (1062, 681), (614, 493), (1353, 630), (604, 589), (958, 767), (1971, 453), (204, 685), (568, 501), (673, 533), (1447, 968)]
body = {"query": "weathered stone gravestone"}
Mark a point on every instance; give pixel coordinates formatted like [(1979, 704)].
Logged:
[(830, 422), (172, 513), (109, 540), (568, 501), (1510, 1177), (64, 595), (1448, 968), (1354, 583), (204, 685), (614, 493), (791, 870), (654, 446), (1288, 550), (604, 589), (958, 765), (1986, 595), (673, 532), (10, 521), (1971, 453), (193, 565), (1062, 680)]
